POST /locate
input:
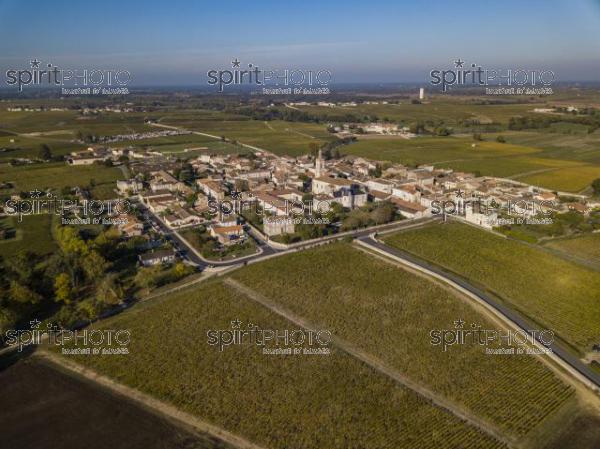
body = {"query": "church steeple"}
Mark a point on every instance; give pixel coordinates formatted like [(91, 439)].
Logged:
[(319, 164)]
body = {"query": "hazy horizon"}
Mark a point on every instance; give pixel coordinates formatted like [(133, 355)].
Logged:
[(378, 42)]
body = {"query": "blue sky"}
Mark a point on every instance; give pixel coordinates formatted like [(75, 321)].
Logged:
[(176, 42)]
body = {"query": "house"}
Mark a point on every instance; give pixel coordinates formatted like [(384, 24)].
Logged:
[(160, 194), (161, 204), (409, 209), (450, 183), (485, 220), (227, 235), (378, 196), (227, 219), (132, 185), (211, 189), (164, 181), (87, 157), (321, 203), (350, 198), (180, 217), (545, 196), (84, 159), (578, 207), (327, 185), (289, 194), (256, 175), (130, 226), (157, 257), (272, 203), (340, 190), (159, 201), (407, 192), (277, 225), (381, 128), (422, 177), (381, 185), (395, 170)]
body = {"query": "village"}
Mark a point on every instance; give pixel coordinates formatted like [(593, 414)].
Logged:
[(233, 201)]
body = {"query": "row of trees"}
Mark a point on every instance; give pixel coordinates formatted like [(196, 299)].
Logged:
[(535, 122)]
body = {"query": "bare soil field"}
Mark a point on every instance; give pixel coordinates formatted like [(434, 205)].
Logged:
[(43, 407)]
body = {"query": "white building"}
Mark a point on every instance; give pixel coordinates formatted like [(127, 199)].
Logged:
[(380, 185), (407, 192), (327, 185), (256, 175), (157, 257), (475, 217), (278, 225), (129, 186), (211, 189), (411, 210)]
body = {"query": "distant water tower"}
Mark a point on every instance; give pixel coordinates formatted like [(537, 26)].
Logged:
[(422, 93)]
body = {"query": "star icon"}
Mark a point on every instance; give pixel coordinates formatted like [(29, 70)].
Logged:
[(460, 193), (458, 63), (235, 63), (459, 323), (235, 324), (236, 195), (35, 323), (35, 193), (35, 63)]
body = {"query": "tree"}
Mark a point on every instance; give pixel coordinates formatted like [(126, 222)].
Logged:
[(477, 137), (148, 277), (180, 270), (186, 174), (376, 172), (45, 154), (442, 131), (94, 265), (22, 266), (88, 308), (62, 288), (383, 213), (8, 319), (500, 139), (22, 294), (69, 241), (596, 186), (417, 128), (110, 291)]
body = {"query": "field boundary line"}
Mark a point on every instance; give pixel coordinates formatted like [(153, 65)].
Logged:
[(148, 401), (376, 364)]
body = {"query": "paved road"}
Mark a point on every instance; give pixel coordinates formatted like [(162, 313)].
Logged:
[(563, 354), (266, 249), (188, 252)]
